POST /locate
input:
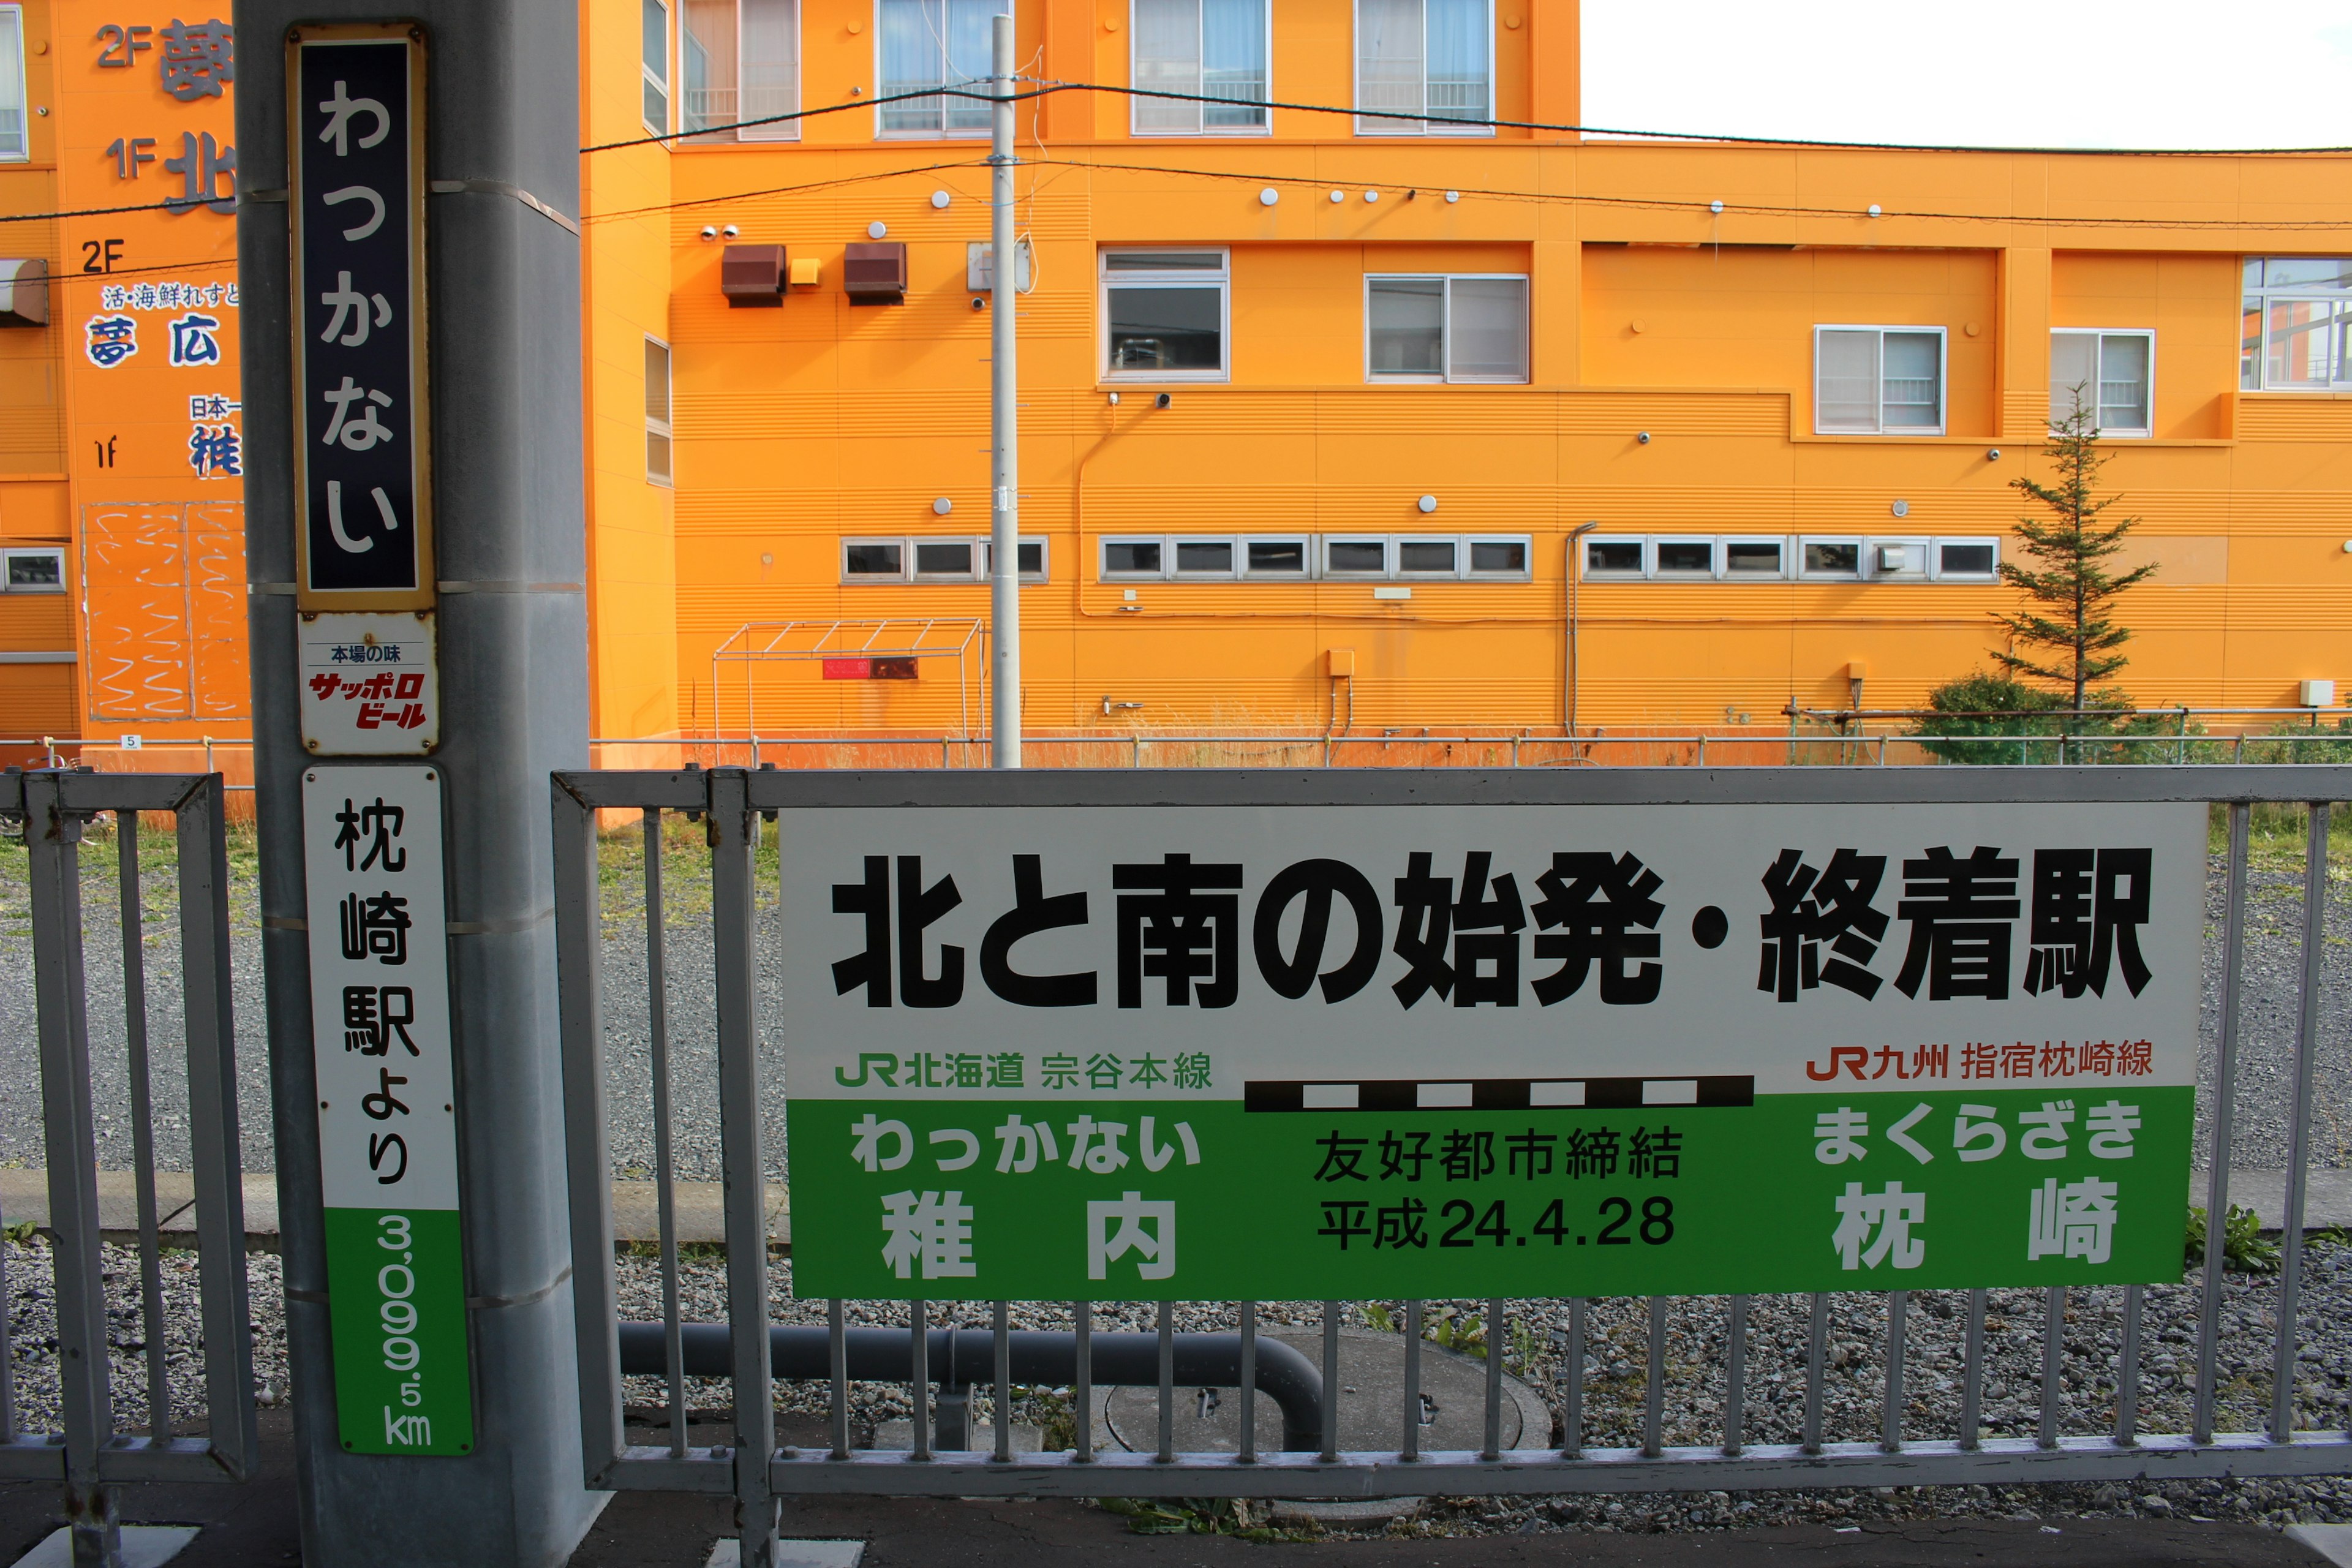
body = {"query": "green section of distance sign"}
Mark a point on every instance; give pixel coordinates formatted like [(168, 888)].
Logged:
[(1951, 1186), (396, 1295)]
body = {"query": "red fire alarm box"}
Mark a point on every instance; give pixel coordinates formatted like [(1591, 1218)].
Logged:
[(874, 274), (752, 275)]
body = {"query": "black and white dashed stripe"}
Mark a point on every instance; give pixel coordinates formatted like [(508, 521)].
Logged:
[(1494, 1093)]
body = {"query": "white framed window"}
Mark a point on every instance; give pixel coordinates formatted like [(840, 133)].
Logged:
[(1966, 560), (929, 558), (39, 569), (1684, 557), (1030, 554), (14, 146), (1432, 58), (1764, 560), (1349, 555), (921, 46), (2111, 372), (1165, 315), (1878, 381), (739, 60), (1281, 557), (657, 411), (1215, 49), (1823, 560), (2298, 324), (1615, 557), (1467, 328), (1898, 560), (657, 66), (1201, 559), (1428, 555), (1133, 559), (1499, 556)]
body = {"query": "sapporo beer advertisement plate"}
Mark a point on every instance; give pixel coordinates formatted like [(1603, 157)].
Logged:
[(1317, 1052)]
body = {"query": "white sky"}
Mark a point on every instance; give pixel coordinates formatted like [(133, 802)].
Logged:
[(2057, 73)]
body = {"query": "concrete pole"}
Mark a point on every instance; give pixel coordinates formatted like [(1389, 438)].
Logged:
[(1003, 421), (503, 314)]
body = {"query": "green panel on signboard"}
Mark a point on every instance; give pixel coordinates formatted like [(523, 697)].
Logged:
[(1878, 1188), (396, 1304)]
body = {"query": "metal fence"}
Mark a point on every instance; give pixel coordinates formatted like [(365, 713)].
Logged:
[(2076, 1436), (91, 1451)]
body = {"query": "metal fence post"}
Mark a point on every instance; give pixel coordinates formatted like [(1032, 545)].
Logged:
[(53, 834)]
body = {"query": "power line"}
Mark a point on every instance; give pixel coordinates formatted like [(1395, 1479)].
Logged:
[(783, 190), (797, 115)]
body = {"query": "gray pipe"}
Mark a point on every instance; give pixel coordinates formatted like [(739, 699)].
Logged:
[(959, 1357)]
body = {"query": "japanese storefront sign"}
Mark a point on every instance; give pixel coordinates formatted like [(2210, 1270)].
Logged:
[(370, 686), (387, 1108), (1317, 1052), (356, 140)]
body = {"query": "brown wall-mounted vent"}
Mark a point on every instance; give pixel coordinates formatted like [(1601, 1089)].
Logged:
[(876, 274), (752, 275)]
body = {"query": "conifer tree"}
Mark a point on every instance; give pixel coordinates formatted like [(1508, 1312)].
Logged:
[(2069, 589)]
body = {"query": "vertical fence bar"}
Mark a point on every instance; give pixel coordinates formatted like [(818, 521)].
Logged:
[(1498, 1342), (918, 1376), (665, 1166), (143, 1119), (1734, 1378), (735, 971), (580, 999), (2127, 1372), (52, 833), (1412, 1381), (837, 1325), (2306, 1049), (1166, 1382), (1890, 1416), (1083, 1320), (1249, 1384), (1004, 1348), (1972, 1372), (1816, 1355), (1571, 1415), (1653, 1396), (2054, 1356), (1331, 1382), (2225, 1084), (217, 1191)]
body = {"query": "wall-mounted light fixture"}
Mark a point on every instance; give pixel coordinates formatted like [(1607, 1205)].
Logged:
[(1269, 196), (1427, 503), (940, 198), (942, 506)]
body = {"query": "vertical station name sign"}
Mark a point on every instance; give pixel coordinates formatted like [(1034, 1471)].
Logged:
[(372, 841), (362, 435), (1327, 1052)]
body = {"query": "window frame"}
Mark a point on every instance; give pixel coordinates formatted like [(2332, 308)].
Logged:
[(1656, 559), (20, 80), (1881, 429), (1724, 573), (2264, 296), (661, 84), (1874, 571), (1306, 543), (1399, 572), (1199, 110), (1935, 571), (2098, 373), (1524, 572), (9, 553), (666, 427), (1588, 572), (941, 131), (897, 542), (1325, 572), (1172, 557), (973, 572), (906, 545), (1806, 572), (1420, 127), (1445, 376), (1103, 572), (734, 130), (1200, 279)]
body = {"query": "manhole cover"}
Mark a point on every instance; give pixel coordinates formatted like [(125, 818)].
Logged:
[(1371, 1393)]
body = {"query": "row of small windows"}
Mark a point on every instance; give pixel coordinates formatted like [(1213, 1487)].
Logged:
[(739, 62), (1308, 557), (1812, 558), (931, 559)]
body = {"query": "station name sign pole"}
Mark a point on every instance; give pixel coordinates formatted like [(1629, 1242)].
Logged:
[(373, 846)]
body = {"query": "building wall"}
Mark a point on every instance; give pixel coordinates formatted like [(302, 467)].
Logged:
[(818, 420)]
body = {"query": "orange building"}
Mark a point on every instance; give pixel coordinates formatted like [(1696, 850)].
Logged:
[(1344, 407), (121, 518), (1312, 402)]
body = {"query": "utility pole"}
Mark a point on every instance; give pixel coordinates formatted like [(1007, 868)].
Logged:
[(490, 287), (1004, 420)]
